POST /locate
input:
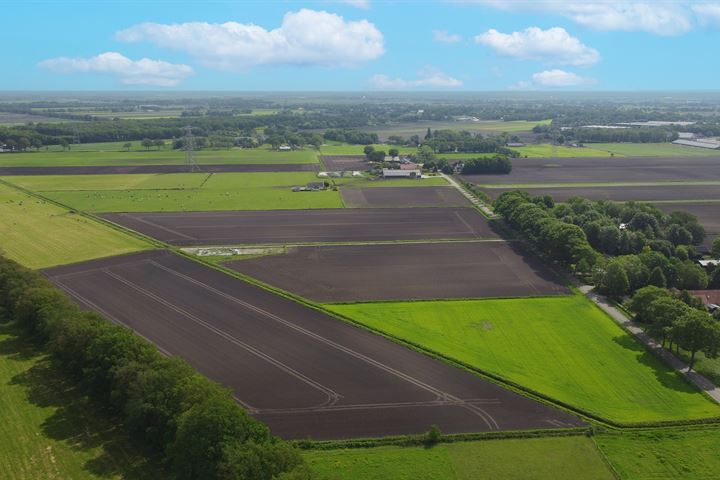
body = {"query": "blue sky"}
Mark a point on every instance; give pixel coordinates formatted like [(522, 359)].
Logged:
[(360, 45)]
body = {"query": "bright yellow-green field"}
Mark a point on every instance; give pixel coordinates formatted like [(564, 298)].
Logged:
[(48, 429), (344, 149), (556, 458), (39, 234), (181, 192), (563, 347)]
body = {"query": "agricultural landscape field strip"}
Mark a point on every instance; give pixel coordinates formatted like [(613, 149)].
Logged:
[(407, 129), (398, 197), (39, 234), (221, 191), (609, 170), (310, 226), (551, 458), (352, 273), (668, 192), (562, 347), (553, 151), (655, 150), (154, 157), (302, 372), (147, 169)]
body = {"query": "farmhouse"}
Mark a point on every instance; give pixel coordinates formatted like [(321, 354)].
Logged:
[(400, 173), (710, 298)]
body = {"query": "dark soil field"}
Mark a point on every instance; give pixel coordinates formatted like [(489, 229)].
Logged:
[(352, 273), (303, 372), (102, 170), (622, 194), (708, 214), (308, 226), (613, 169), (338, 163), (403, 197)]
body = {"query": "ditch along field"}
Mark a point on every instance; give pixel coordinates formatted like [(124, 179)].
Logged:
[(563, 347), (354, 273), (40, 234), (181, 191), (49, 428), (166, 156), (302, 372), (551, 458)]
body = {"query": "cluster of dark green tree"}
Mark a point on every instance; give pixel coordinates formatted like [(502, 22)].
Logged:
[(448, 141), (351, 136), (491, 165), (534, 217), (679, 320), (164, 403)]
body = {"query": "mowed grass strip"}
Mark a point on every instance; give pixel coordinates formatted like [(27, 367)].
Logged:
[(183, 192), (48, 430), (39, 234), (564, 347), (538, 458), (664, 454), (155, 157), (654, 150)]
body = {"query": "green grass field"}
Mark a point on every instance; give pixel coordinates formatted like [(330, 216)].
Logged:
[(406, 129), (48, 430), (153, 157), (549, 151), (563, 347), (391, 182), (664, 454), (39, 234), (544, 458), (344, 149), (181, 192), (654, 150)]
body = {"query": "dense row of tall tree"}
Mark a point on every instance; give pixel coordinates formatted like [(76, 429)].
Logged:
[(448, 141), (164, 402), (496, 164), (677, 320)]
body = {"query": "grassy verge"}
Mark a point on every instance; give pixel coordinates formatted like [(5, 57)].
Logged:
[(49, 430), (39, 234), (564, 348), (541, 458)]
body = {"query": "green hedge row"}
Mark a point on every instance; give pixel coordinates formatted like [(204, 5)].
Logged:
[(164, 402)]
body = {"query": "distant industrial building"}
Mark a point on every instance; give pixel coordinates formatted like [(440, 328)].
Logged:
[(699, 143)]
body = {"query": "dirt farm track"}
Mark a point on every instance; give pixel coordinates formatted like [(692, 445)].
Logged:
[(307, 226), (304, 373)]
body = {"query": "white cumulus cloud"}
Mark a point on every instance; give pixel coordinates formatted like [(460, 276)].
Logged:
[(668, 17), (558, 79), (129, 72), (355, 3), (428, 78), (554, 45), (306, 37), (708, 13), (443, 36)]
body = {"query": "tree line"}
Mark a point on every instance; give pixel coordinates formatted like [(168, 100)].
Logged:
[(498, 164), (679, 320), (164, 403)]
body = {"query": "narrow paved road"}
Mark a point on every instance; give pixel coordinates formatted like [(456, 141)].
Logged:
[(699, 380), (471, 198)]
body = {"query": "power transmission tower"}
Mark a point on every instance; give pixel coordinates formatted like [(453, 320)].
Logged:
[(189, 147), (76, 136)]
